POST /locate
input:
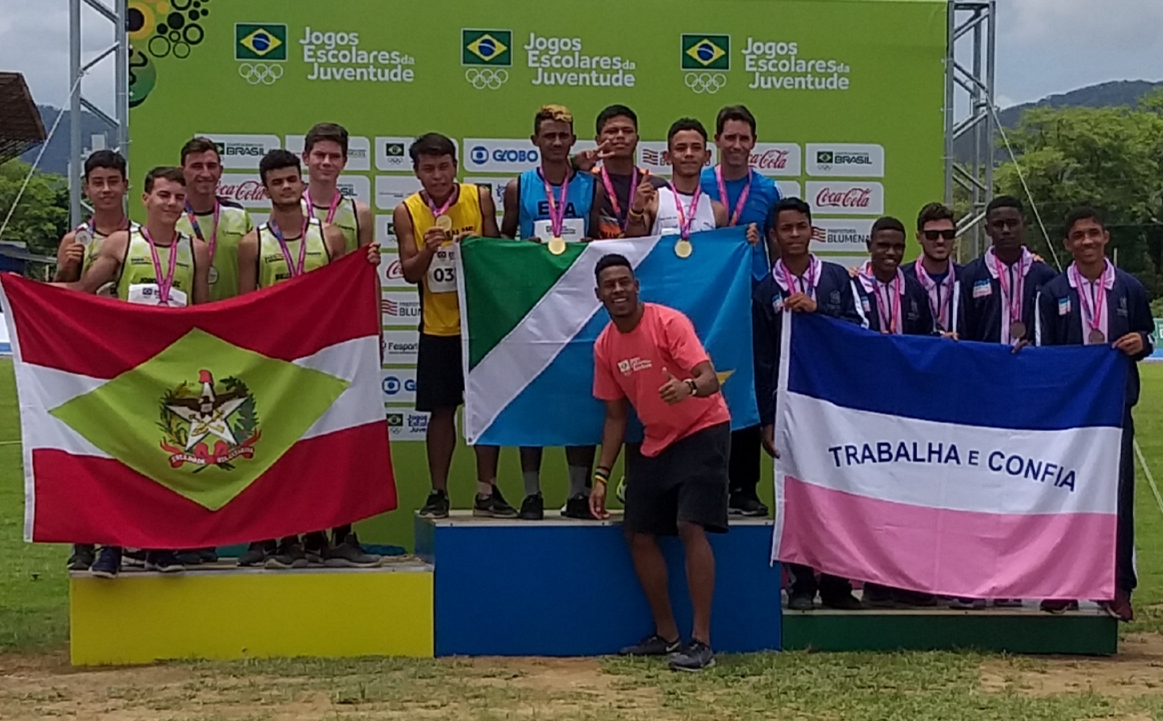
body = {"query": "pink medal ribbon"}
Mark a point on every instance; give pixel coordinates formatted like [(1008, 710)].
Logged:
[(164, 284), (336, 198), (685, 220), (741, 202), (437, 212), (942, 307), (213, 242), (1091, 306), (622, 218), (556, 208), (808, 280), (1012, 297), (888, 309), (302, 246)]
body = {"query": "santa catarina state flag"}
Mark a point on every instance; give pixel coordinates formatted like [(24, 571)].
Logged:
[(252, 418), (961, 469), (529, 320)]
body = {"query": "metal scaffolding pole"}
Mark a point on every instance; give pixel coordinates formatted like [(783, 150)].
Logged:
[(970, 128), (114, 14)]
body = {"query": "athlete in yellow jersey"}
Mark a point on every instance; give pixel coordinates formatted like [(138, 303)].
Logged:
[(325, 153), (291, 243), (217, 222), (429, 225), (105, 186), (156, 265)]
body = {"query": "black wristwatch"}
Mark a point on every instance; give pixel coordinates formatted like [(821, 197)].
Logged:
[(693, 386)]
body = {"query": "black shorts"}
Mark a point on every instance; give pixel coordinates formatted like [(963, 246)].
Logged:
[(686, 483), (439, 373)]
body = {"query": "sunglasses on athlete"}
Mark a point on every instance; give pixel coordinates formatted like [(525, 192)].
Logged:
[(935, 234)]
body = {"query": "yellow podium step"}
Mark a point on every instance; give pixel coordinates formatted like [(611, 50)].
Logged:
[(224, 613)]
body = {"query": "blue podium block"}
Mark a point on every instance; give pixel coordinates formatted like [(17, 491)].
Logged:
[(561, 587)]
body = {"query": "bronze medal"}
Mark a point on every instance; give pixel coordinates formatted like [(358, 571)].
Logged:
[(1096, 337), (1017, 330)]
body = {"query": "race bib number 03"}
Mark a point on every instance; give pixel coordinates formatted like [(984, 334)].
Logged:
[(442, 270)]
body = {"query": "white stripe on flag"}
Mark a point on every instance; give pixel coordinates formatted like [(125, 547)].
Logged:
[(43, 389), (948, 466), (358, 362), (541, 335)]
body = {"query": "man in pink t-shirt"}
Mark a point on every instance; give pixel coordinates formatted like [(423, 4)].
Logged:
[(649, 357)]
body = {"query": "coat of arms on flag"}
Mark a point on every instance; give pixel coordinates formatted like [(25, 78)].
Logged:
[(258, 417)]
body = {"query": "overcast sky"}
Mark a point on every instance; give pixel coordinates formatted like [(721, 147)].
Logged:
[(1044, 46)]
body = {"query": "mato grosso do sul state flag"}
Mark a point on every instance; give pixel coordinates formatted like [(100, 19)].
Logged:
[(252, 418), (955, 468), (529, 320)]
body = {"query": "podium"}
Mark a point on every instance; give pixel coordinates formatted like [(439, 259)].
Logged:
[(564, 587)]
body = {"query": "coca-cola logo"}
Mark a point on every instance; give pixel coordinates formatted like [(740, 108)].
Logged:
[(852, 198), (246, 191), (769, 160), (395, 270)]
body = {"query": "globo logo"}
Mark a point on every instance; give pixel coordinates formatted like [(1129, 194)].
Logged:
[(393, 385)]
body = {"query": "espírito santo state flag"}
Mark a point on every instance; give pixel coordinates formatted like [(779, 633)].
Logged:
[(256, 417)]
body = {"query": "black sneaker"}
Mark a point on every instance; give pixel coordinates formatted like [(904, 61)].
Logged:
[(578, 507), (133, 557), (108, 563), (746, 505), (532, 508), (189, 557), (208, 555), (492, 506), (82, 557), (289, 555), (163, 562), (315, 548), (256, 554), (842, 602), (878, 596), (436, 506), (349, 554), (695, 657), (801, 601), (652, 645), (914, 599)]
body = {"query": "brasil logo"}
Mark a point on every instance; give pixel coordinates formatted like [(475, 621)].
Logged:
[(486, 47), (706, 52), (260, 42), (214, 425)]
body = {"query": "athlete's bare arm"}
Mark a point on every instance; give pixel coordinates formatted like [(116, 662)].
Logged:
[(201, 272), (721, 217), (248, 263), (511, 219), (335, 242), (70, 259), (643, 210), (366, 222), (106, 264), (414, 261), (596, 209), (488, 214)]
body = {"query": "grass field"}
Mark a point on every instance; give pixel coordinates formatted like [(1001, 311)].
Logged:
[(36, 682)]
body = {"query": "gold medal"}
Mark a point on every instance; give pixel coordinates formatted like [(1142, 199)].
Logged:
[(557, 246), (683, 248), (444, 223)]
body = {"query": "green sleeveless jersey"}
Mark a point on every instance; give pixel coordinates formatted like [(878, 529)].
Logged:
[(345, 219), (138, 274), (272, 264), (233, 223)]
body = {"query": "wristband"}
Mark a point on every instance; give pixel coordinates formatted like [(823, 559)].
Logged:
[(690, 382), (636, 214), (601, 481), (602, 475)]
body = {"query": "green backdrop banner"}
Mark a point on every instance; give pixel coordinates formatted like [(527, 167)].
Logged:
[(848, 96)]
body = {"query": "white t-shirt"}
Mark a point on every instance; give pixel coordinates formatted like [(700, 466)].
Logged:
[(667, 221)]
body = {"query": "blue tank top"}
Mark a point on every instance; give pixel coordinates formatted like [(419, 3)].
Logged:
[(535, 206)]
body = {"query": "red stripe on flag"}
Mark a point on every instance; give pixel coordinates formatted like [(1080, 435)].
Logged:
[(319, 483), (102, 337)]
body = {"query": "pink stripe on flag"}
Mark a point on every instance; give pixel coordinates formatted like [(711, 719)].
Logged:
[(950, 553)]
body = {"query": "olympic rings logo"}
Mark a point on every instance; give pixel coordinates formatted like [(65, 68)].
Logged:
[(489, 78), (255, 73), (709, 83)]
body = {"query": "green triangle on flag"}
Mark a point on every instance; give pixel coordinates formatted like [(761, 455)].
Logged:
[(203, 418)]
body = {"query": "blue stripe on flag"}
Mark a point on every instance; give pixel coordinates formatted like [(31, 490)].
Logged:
[(713, 288), (975, 384)]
